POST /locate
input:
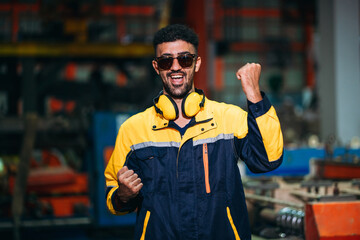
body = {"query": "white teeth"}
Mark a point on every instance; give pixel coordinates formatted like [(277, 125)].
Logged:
[(176, 76)]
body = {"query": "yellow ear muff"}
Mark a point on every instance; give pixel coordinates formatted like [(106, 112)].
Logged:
[(168, 107), (191, 104)]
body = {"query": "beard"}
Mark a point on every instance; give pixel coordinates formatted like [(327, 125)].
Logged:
[(174, 91), (179, 92)]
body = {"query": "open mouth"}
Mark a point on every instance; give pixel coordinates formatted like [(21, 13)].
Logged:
[(177, 78)]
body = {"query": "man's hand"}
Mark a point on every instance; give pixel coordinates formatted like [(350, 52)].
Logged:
[(249, 75), (129, 184)]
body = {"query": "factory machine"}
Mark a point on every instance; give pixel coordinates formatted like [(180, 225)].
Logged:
[(323, 204), (56, 189)]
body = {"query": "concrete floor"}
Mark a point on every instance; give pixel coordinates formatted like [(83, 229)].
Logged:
[(87, 233)]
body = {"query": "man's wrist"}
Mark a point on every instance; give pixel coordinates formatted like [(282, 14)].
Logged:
[(254, 97), (117, 201), (124, 206)]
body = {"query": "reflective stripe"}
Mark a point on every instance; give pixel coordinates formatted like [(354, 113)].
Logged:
[(212, 140), (154, 144), (145, 225), (206, 167), (232, 224)]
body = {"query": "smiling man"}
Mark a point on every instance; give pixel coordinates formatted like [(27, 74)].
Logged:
[(176, 162)]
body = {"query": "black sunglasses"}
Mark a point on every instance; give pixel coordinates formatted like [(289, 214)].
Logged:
[(185, 61)]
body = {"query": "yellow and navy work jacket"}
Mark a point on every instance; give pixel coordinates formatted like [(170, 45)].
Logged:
[(192, 185)]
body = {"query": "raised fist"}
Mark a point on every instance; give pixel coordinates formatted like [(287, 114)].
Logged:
[(249, 75)]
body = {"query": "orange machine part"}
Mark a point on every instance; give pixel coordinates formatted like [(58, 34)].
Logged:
[(72, 183), (337, 170), (78, 185), (107, 154), (64, 206), (332, 221), (63, 196), (341, 172)]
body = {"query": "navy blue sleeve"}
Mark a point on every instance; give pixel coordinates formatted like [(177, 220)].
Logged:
[(130, 206), (251, 148)]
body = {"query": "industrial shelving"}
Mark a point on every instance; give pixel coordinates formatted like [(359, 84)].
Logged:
[(66, 52)]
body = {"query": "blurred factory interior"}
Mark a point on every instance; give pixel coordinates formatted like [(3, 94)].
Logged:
[(72, 71)]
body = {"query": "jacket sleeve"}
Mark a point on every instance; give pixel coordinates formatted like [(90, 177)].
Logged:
[(117, 160), (262, 147)]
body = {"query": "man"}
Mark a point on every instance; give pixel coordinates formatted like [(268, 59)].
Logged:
[(176, 162)]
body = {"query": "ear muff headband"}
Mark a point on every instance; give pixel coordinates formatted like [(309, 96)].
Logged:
[(191, 105), (165, 106)]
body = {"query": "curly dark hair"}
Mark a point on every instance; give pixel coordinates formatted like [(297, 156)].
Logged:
[(175, 32)]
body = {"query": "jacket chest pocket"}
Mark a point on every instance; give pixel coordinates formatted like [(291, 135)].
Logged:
[(149, 167)]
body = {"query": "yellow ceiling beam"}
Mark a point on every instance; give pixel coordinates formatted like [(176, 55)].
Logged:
[(75, 50)]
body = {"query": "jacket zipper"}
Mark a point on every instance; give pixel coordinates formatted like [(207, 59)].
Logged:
[(206, 167), (177, 158), (127, 157), (177, 165)]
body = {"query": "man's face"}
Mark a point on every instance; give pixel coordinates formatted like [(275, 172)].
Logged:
[(177, 80)]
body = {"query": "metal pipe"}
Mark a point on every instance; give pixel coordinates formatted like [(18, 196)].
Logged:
[(23, 171), (273, 200)]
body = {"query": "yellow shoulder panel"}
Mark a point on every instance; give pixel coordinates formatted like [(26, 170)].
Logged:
[(273, 140)]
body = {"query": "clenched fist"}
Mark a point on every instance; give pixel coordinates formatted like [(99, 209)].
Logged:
[(249, 75), (129, 184)]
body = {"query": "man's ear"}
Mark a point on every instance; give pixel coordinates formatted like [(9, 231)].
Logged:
[(197, 64), (155, 66)]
